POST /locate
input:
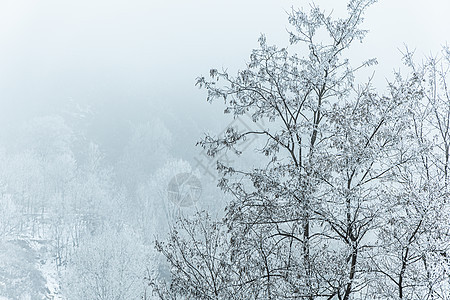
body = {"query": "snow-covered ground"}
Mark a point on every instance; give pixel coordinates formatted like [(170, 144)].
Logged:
[(27, 270), (46, 265)]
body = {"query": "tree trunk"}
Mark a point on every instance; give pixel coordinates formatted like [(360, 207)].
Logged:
[(354, 258)]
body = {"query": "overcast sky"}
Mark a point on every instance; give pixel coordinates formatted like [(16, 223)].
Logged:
[(149, 52)]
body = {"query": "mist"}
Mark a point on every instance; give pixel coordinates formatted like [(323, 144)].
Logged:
[(100, 112)]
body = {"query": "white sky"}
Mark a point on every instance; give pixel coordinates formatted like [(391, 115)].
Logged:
[(136, 51)]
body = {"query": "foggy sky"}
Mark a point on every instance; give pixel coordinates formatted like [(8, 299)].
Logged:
[(136, 56)]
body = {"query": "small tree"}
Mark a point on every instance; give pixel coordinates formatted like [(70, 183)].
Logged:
[(199, 257)]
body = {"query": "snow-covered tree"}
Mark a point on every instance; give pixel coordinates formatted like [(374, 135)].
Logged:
[(108, 265), (414, 239), (313, 219)]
